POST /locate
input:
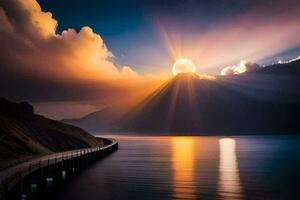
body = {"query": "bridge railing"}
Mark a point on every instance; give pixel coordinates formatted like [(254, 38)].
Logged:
[(14, 175)]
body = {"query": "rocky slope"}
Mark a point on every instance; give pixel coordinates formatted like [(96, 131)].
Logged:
[(24, 134)]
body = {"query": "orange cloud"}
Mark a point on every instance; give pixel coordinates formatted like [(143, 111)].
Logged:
[(40, 65), (38, 50)]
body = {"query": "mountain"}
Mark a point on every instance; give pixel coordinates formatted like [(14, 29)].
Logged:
[(24, 134), (266, 100), (103, 119)]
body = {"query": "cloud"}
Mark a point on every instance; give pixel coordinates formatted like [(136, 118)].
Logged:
[(288, 61), (34, 48), (75, 68), (126, 71), (241, 67)]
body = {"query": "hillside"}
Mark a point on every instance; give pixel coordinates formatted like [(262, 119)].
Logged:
[(25, 134), (100, 120)]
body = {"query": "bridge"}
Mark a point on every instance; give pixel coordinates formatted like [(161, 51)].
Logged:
[(39, 176)]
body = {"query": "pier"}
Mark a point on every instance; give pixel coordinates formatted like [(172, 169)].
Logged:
[(38, 177)]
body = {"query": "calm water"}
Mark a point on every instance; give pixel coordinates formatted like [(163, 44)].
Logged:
[(247, 167)]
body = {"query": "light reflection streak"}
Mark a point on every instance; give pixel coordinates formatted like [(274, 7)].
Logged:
[(229, 186), (183, 162)]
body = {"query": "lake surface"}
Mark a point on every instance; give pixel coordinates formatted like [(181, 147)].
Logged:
[(246, 167)]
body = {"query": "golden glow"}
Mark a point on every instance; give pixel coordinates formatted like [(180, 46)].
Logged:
[(183, 65), (229, 180), (183, 161)]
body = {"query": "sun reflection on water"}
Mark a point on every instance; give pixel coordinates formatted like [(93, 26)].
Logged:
[(229, 186), (183, 161)]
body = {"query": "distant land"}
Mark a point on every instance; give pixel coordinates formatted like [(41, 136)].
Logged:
[(261, 101), (24, 134)]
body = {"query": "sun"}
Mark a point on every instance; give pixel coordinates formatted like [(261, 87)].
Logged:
[(183, 65)]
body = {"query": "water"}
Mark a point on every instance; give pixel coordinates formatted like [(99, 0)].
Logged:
[(247, 167)]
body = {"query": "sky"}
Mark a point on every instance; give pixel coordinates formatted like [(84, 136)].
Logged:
[(143, 34), (81, 56)]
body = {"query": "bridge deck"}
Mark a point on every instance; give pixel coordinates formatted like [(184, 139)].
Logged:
[(10, 176)]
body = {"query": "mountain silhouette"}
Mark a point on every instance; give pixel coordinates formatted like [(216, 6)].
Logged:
[(266, 100)]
